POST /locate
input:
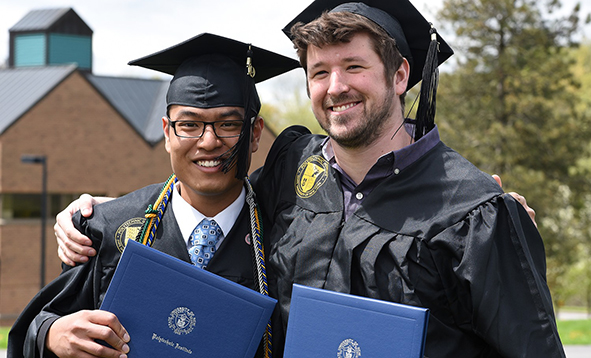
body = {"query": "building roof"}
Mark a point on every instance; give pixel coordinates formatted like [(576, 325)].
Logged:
[(39, 20), (23, 87), (140, 102)]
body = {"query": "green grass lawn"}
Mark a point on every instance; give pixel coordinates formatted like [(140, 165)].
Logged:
[(575, 332), (4, 337), (571, 333)]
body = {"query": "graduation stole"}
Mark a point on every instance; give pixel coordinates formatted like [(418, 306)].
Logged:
[(153, 217)]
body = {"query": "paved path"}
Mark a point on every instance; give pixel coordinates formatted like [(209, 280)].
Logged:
[(571, 351), (567, 316)]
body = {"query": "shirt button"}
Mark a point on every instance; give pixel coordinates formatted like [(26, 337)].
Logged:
[(359, 196), (396, 171)]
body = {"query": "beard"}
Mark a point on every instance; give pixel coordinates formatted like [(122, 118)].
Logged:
[(368, 129)]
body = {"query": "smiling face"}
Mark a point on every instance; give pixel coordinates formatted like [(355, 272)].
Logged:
[(195, 161), (351, 98)]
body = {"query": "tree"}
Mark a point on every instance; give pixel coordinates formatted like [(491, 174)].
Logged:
[(509, 105), (579, 274)]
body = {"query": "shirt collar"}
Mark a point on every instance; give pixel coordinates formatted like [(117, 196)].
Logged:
[(187, 217), (402, 157)]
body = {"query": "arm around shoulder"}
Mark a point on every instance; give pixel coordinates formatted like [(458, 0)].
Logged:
[(73, 246)]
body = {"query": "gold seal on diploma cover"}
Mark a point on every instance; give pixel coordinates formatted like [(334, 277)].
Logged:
[(128, 230), (311, 175)]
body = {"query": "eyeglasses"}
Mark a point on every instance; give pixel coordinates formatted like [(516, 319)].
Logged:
[(195, 129)]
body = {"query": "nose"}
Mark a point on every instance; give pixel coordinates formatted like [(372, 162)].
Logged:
[(337, 84), (209, 140)]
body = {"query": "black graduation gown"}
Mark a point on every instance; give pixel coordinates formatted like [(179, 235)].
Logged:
[(439, 234), (84, 286)]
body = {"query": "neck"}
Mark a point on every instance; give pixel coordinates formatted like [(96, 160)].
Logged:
[(209, 205), (357, 162)]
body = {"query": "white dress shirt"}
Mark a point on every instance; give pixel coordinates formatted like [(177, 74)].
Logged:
[(187, 217)]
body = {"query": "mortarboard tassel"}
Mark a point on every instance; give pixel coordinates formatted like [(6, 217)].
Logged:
[(239, 154), (242, 150), (426, 110)]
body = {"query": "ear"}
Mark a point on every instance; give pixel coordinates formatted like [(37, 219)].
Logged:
[(257, 132), (166, 128), (401, 77)]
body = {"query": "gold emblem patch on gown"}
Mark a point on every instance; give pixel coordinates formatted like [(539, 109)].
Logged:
[(311, 175), (128, 230)]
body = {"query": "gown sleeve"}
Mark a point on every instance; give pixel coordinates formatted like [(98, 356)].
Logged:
[(267, 180), (495, 280), (70, 292)]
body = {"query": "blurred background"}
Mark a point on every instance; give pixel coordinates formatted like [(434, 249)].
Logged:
[(74, 118)]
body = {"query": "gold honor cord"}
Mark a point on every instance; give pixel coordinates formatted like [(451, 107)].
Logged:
[(257, 232), (154, 213), (259, 258)]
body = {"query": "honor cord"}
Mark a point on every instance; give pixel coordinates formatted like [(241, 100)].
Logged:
[(154, 213), (259, 257)]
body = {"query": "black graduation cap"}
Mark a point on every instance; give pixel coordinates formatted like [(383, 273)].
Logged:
[(399, 18), (212, 71), (415, 37), (268, 64)]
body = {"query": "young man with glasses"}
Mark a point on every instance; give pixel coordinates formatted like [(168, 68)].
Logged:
[(211, 128)]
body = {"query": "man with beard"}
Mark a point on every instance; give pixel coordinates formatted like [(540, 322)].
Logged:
[(382, 208), (203, 214)]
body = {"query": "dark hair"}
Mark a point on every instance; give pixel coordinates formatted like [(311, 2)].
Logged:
[(332, 28)]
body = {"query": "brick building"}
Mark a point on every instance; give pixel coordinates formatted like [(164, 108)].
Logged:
[(99, 135)]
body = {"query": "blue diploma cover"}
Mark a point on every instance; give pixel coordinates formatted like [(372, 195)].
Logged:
[(324, 323), (173, 309)]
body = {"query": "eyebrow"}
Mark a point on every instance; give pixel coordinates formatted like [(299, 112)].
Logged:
[(232, 113), (190, 114), (345, 60), (198, 116)]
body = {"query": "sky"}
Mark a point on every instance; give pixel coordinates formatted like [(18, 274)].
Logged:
[(128, 29)]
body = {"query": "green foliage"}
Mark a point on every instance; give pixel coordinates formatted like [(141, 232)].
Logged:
[(4, 337), (514, 106), (517, 75), (569, 261), (582, 71), (575, 332)]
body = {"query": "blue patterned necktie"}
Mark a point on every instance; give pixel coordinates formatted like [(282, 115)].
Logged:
[(203, 240)]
